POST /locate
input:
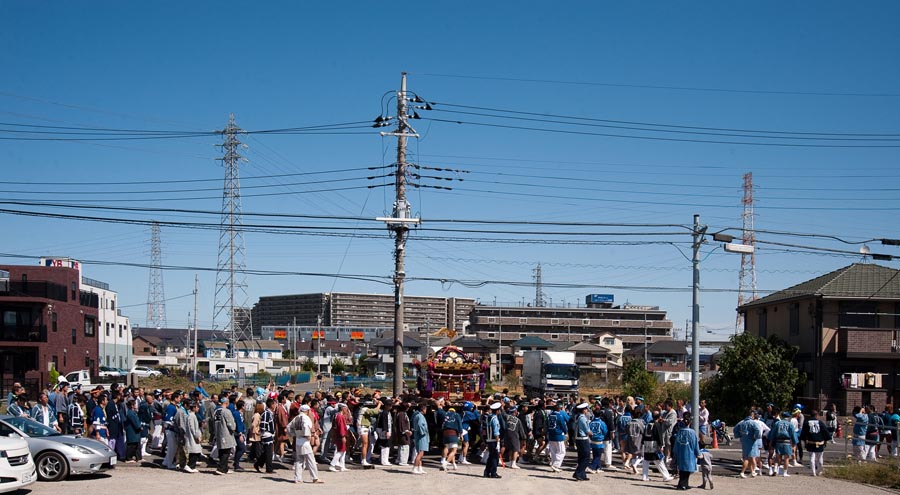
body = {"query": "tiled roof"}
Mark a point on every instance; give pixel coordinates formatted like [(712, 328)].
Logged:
[(859, 280), (532, 341)]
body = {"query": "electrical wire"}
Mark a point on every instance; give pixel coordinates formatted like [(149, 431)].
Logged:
[(664, 87), (656, 138), (689, 128)]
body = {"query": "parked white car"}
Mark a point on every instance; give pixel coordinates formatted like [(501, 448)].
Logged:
[(108, 372), (16, 465), (144, 371)]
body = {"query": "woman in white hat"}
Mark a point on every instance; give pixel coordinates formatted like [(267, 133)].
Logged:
[(302, 429)]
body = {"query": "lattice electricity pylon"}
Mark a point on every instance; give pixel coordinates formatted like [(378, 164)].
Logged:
[(747, 277), (539, 296), (156, 292), (231, 287)]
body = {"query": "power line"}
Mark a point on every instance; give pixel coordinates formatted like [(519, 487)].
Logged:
[(656, 138), (666, 87), (688, 128), (185, 181)]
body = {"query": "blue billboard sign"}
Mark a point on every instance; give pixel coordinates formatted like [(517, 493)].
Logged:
[(599, 299)]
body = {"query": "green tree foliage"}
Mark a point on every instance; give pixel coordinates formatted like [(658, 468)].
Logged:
[(308, 365), (636, 380), (338, 366), (752, 371)]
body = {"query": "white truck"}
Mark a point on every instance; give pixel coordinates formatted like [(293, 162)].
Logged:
[(81, 377), (549, 372)]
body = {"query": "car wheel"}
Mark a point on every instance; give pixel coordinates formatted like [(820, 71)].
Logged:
[(52, 466)]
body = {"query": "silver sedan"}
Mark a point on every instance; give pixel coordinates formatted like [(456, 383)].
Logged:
[(57, 456)]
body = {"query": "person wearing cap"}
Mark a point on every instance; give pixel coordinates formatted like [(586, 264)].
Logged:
[(492, 439), (783, 437), (384, 428), (515, 435), (339, 432), (301, 428), (367, 411), (582, 442), (224, 426)]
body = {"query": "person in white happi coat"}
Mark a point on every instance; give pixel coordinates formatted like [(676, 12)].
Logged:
[(301, 428)]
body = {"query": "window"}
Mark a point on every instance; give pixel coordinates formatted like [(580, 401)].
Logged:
[(609, 341), (794, 319), (90, 327), (763, 323), (74, 334), (55, 360), (616, 322), (65, 359), (521, 335), (112, 304), (554, 321), (554, 336), (585, 322), (492, 319), (492, 335), (9, 319), (120, 330), (523, 321), (53, 318), (858, 314), (74, 291), (107, 329), (107, 360)]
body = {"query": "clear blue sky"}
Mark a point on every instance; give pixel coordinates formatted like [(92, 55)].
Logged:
[(823, 67)]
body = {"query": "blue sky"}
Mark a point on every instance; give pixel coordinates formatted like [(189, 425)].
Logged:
[(823, 67)]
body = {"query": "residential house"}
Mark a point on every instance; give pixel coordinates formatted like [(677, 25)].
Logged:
[(846, 326)]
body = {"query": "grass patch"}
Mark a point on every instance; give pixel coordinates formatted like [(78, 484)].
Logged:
[(885, 474)]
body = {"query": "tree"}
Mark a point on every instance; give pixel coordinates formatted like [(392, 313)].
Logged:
[(338, 366), (308, 364), (753, 371), (636, 380)]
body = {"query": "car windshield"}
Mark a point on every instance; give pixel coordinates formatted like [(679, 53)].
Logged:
[(32, 428), (561, 371)]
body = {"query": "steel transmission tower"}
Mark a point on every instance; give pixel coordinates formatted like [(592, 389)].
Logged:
[(538, 288), (229, 313), (156, 293), (747, 277)]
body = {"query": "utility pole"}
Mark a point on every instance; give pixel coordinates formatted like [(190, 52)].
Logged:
[(318, 341), (698, 237), (196, 290), (399, 224)]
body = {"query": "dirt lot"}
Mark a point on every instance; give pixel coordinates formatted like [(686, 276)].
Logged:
[(147, 477)]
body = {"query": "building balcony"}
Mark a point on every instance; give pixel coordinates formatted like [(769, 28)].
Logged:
[(46, 290), (20, 333), (868, 341)]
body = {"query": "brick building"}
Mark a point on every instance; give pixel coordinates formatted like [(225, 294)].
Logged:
[(846, 325), (47, 320)]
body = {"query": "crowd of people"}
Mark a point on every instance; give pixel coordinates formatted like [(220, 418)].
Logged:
[(270, 425)]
